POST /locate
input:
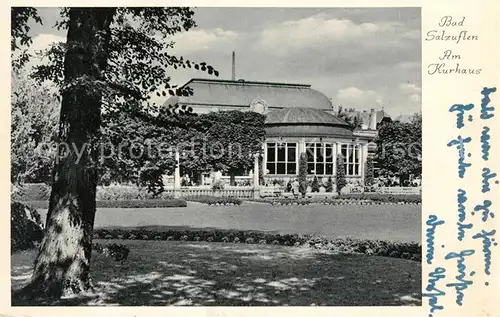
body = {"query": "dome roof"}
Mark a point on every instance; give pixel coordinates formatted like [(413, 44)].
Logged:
[(306, 122), (217, 92), (303, 115)]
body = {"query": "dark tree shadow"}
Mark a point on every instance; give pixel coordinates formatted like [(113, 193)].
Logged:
[(160, 273)]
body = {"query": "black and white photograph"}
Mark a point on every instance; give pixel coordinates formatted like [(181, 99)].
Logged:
[(216, 156)]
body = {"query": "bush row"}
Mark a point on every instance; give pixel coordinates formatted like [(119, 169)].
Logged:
[(356, 199), (34, 192), (26, 228), (150, 203), (217, 201), (119, 252), (403, 250), (383, 198)]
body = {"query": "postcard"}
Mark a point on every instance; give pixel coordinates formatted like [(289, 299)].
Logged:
[(240, 159)]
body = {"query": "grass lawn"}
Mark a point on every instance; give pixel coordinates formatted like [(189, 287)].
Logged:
[(183, 273), (385, 222)]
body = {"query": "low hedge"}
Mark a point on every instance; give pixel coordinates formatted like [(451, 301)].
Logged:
[(404, 250), (383, 198), (26, 228), (35, 192), (149, 203), (346, 199), (213, 200)]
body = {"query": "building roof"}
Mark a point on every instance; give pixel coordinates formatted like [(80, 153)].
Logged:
[(405, 118), (381, 114), (303, 116), (305, 122), (243, 93)]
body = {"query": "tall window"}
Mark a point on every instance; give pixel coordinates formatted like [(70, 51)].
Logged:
[(282, 158), (320, 158), (351, 154)]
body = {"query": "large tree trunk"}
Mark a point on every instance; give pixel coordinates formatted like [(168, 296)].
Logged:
[(62, 266), (232, 178)]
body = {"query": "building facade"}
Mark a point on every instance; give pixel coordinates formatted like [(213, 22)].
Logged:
[(299, 120)]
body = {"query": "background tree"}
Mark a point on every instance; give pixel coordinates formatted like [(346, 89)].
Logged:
[(399, 148), (111, 56), (303, 174), (34, 120), (340, 170), (19, 40), (226, 142)]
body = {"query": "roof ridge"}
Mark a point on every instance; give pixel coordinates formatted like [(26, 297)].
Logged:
[(251, 82)]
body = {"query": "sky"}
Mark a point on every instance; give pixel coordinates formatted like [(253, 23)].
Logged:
[(359, 58)]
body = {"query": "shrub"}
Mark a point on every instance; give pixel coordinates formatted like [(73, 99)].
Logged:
[(34, 192), (27, 192), (119, 252), (369, 176), (404, 250), (341, 181), (26, 229), (329, 185), (212, 200), (315, 185), (384, 198), (149, 203), (303, 174), (217, 185)]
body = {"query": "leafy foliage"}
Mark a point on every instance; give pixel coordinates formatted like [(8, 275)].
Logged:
[(369, 176), (399, 148), (404, 250), (329, 185), (211, 200), (340, 171), (315, 185), (26, 228), (138, 59), (223, 141), (350, 117), (119, 252), (134, 203), (19, 41), (303, 173), (34, 120)]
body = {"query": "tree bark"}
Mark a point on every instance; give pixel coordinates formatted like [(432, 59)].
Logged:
[(62, 266)]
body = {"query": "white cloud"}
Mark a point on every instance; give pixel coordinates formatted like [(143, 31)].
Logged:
[(43, 41), (40, 43), (412, 93), (198, 40), (409, 88), (353, 97), (318, 30)]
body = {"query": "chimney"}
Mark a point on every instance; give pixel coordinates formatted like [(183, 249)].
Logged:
[(373, 120), (233, 76)]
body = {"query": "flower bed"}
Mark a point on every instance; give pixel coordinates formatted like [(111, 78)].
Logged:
[(404, 250), (149, 203), (384, 198), (346, 199), (216, 201)]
